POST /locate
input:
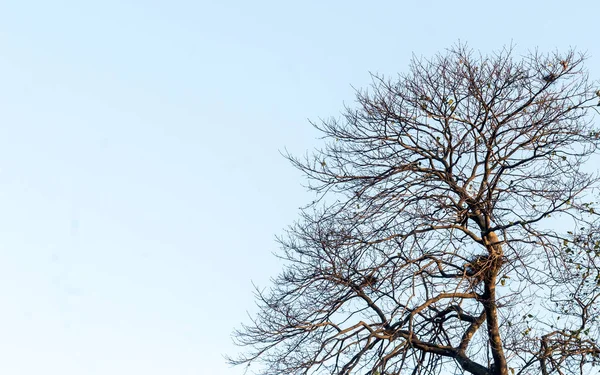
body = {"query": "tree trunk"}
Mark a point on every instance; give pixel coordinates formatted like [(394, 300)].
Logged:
[(488, 300)]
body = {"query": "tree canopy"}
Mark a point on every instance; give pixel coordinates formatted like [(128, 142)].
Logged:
[(453, 231)]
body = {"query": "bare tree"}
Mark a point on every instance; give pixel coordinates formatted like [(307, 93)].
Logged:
[(454, 229)]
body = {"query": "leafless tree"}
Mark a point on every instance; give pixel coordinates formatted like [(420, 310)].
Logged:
[(454, 228)]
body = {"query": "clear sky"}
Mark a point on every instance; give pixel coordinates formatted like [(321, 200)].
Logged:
[(141, 184)]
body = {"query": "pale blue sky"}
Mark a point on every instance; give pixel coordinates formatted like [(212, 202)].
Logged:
[(141, 184)]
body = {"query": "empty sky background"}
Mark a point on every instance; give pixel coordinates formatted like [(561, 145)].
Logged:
[(141, 184)]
